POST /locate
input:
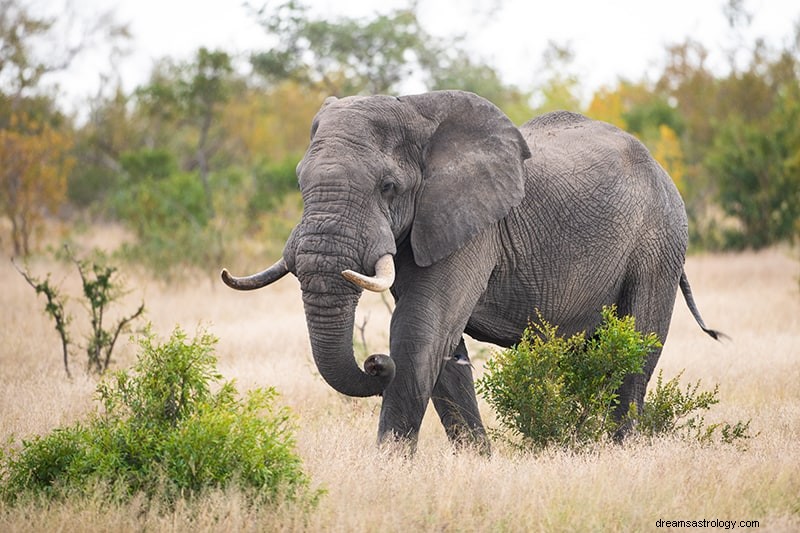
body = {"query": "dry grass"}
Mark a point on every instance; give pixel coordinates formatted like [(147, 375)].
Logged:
[(753, 297)]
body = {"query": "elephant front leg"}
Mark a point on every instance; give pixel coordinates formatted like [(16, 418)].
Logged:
[(427, 368), (455, 402), (406, 398), (433, 307)]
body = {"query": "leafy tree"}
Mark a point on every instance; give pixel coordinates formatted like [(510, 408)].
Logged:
[(687, 81), (344, 56), (754, 156), (192, 94), (267, 124), (32, 46), (33, 177), (167, 209), (758, 171), (20, 66), (608, 104), (668, 152), (112, 128)]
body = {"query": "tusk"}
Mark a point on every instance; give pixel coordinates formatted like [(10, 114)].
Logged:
[(382, 280), (256, 281)]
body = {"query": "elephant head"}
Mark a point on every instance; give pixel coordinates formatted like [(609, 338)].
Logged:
[(426, 171)]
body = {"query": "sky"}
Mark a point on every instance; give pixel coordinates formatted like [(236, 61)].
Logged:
[(610, 39)]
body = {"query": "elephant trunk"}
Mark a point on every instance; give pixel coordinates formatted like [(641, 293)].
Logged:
[(330, 329)]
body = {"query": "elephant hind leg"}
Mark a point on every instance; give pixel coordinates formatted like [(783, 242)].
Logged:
[(650, 300), (455, 402)]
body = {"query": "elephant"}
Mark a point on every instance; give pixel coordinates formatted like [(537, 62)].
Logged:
[(474, 225)]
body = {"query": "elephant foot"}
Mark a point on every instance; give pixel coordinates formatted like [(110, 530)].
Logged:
[(398, 445), (465, 438)]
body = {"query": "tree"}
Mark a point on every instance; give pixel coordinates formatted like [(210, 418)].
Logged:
[(33, 176), (32, 47), (192, 93), (668, 152), (755, 156), (758, 170), (111, 130), (346, 55)]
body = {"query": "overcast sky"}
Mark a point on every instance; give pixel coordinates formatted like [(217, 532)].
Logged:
[(610, 39)]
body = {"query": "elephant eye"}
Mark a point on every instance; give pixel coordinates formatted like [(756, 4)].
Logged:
[(387, 187)]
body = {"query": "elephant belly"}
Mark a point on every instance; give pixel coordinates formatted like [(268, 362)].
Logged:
[(572, 301), (500, 319)]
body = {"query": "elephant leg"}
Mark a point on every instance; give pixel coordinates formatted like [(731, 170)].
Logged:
[(650, 300), (455, 402), (433, 307)]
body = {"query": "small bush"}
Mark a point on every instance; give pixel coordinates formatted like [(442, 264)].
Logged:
[(551, 390), (554, 391), (669, 411), (163, 432)]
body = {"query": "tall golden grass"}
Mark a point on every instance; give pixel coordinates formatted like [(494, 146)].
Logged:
[(753, 297)]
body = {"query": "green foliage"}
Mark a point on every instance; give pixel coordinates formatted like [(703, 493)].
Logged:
[(346, 55), (643, 118), (100, 290), (558, 88), (554, 391), (166, 433), (758, 172), (670, 411), (169, 215), (271, 182), (551, 390), (141, 165)]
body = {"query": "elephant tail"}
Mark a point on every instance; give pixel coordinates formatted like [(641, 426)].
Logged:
[(687, 295)]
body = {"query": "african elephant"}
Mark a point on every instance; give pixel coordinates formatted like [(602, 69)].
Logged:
[(473, 224)]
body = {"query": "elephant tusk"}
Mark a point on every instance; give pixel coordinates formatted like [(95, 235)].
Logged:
[(256, 281), (382, 280)]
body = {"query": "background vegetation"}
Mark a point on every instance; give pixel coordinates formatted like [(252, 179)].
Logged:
[(198, 161)]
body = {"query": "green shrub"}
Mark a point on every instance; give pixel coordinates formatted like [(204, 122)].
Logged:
[(164, 432), (669, 411), (271, 182), (554, 391), (551, 390), (170, 214)]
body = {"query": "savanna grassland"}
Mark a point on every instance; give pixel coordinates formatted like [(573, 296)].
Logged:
[(753, 297)]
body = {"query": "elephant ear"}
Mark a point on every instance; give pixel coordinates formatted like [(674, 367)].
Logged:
[(472, 172)]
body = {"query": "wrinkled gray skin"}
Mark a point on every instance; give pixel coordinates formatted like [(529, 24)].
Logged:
[(487, 223)]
